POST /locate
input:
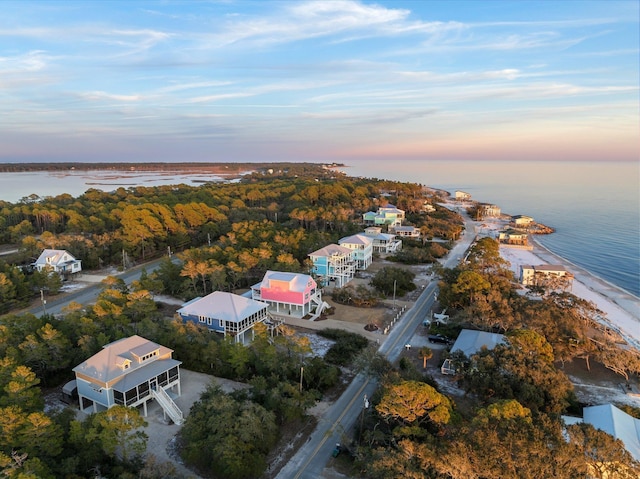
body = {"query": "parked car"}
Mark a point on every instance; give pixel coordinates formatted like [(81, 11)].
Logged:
[(439, 339)]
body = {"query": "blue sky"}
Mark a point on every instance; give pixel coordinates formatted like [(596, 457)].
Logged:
[(337, 80)]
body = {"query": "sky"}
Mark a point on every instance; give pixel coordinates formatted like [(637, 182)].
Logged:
[(319, 81)]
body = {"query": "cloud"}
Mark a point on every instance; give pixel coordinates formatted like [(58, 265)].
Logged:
[(339, 20), (101, 95)]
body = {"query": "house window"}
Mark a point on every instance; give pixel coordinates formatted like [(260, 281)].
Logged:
[(131, 396), (162, 379), (118, 397)]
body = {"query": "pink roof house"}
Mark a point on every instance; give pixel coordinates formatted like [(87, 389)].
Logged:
[(289, 294)]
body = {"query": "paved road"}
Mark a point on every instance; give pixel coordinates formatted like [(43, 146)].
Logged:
[(89, 294), (337, 424)]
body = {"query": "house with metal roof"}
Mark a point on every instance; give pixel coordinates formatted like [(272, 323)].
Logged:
[(58, 260), (289, 294), (130, 372), (362, 247), (617, 423), (386, 215), (334, 264), (469, 342), (410, 232), (383, 242), (226, 313)]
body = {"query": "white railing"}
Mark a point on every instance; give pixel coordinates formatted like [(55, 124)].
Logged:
[(168, 405)]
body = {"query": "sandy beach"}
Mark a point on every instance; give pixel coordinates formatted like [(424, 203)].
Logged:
[(621, 309)]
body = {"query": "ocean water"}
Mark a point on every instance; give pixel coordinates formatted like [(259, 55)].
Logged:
[(15, 186), (593, 206)]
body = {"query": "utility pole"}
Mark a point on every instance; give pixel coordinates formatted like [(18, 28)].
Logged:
[(394, 294), (365, 406), (44, 301), (301, 374)]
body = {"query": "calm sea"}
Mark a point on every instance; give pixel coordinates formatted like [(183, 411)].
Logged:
[(594, 207)]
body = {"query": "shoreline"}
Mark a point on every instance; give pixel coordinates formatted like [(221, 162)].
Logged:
[(621, 308)]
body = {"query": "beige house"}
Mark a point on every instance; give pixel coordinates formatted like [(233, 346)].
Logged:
[(130, 372), (488, 210), (462, 195), (522, 221), (546, 275), (513, 237)]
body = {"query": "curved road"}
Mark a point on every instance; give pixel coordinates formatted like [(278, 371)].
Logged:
[(88, 294)]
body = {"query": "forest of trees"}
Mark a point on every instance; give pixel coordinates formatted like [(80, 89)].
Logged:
[(508, 422), (225, 236), (228, 234)]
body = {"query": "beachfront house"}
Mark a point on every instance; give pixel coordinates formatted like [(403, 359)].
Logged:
[(462, 195), (470, 342), (289, 294), (58, 260), (522, 221), (226, 313), (513, 237), (488, 210), (334, 264), (130, 372), (554, 276), (383, 243), (362, 247), (386, 215)]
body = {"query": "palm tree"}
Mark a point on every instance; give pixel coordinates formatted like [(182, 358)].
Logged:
[(425, 353)]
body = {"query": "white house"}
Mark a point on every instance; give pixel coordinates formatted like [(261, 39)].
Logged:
[(544, 274), (58, 260), (129, 372), (383, 242), (362, 247), (226, 313), (289, 294)]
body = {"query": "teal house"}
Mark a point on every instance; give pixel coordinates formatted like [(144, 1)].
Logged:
[(333, 265)]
